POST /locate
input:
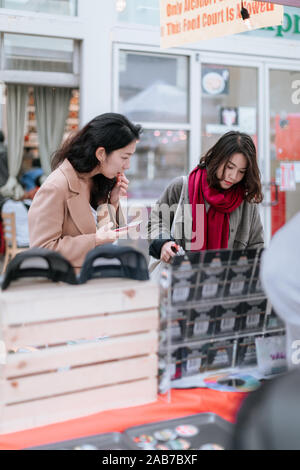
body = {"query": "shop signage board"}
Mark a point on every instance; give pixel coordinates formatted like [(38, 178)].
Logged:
[(289, 3), (189, 21), (289, 29)]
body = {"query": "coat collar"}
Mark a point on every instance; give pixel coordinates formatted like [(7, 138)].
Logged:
[(78, 204), (71, 176)]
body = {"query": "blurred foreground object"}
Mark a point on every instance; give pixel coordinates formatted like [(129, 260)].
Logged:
[(281, 281), (268, 418)]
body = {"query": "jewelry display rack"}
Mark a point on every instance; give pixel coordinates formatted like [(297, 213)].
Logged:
[(212, 308)]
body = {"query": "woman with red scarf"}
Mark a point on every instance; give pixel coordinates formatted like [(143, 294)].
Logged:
[(214, 207)]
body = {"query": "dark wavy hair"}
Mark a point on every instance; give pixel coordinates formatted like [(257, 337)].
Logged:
[(111, 131), (230, 143)]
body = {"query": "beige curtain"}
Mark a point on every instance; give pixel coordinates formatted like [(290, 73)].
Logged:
[(17, 96), (51, 107)]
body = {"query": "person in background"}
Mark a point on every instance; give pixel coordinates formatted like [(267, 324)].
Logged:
[(3, 161), (31, 171), (226, 185), (31, 177), (280, 276), (20, 209), (88, 171)]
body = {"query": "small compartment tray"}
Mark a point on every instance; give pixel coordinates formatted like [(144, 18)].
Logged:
[(213, 433)]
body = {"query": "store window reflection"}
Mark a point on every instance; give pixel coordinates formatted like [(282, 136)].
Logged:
[(153, 91), (285, 144), (229, 102), (161, 155), (53, 7), (45, 54), (138, 11), (153, 87)]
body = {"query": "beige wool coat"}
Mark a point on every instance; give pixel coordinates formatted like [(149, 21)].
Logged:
[(60, 217)]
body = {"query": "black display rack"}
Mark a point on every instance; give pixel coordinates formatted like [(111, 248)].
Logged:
[(212, 308)]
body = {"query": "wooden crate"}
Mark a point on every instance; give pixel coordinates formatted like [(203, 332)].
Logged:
[(93, 347)]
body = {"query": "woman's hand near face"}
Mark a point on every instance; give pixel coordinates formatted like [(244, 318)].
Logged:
[(105, 234), (119, 190), (167, 253)]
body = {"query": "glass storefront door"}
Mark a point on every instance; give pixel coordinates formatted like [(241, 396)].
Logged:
[(229, 102), (153, 90), (284, 145), (232, 98), (255, 96)]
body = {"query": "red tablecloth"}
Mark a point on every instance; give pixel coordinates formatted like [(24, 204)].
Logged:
[(182, 403)]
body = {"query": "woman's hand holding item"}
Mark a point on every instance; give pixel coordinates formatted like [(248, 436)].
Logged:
[(119, 190), (167, 253), (105, 234)]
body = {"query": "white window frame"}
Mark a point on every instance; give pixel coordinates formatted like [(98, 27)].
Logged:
[(25, 11), (32, 77), (41, 24)]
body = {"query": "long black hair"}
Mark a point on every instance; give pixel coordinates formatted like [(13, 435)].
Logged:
[(230, 143), (111, 131)]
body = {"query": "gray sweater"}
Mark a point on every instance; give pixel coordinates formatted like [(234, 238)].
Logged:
[(245, 228)]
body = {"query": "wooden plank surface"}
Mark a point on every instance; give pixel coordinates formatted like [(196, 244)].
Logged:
[(56, 332), (43, 301), (43, 412), (88, 377), (54, 358)]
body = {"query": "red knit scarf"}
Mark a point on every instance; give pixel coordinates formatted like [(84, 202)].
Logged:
[(216, 222)]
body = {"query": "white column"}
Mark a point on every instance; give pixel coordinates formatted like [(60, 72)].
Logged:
[(99, 17)]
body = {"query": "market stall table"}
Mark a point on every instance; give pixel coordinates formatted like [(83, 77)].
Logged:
[(182, 403)]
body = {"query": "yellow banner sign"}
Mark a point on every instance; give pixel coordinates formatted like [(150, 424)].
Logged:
[(188, 21)]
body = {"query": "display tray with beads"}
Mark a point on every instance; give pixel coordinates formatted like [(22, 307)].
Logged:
[(204, 431), (109, 441)]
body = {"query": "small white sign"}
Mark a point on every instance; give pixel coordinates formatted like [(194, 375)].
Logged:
[(297, 172), (247, 119), (247, 123), (271, 354), (287, 177)]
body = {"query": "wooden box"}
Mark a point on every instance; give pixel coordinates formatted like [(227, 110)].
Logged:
[(88, 348)]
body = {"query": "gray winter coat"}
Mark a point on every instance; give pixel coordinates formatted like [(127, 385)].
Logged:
[(245, 227)]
